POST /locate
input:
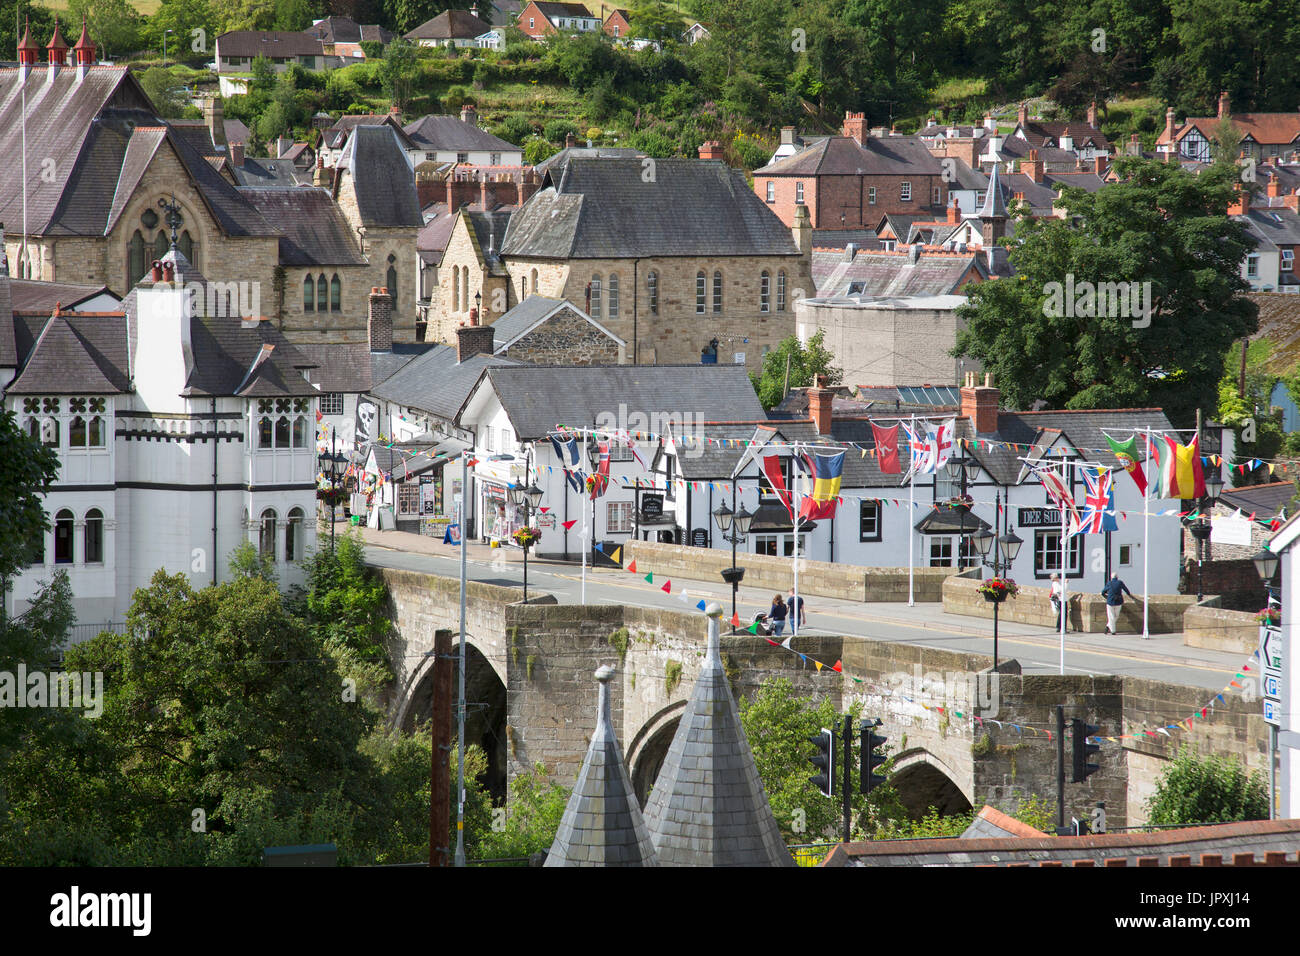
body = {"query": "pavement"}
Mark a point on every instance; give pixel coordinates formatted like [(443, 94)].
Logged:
[(1038, 649)]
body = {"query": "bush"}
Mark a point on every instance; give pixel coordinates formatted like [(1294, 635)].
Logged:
[(455, 98), (537, 149), (556, 130), (1211, 790), (514, 129)]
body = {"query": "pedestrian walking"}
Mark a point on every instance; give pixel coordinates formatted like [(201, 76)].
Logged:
[(776, 615), (797, 620), (1114, 592), (1058, 608)]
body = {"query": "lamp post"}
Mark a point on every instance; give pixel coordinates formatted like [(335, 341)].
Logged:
[(1201, 525), (334, 458), (1266, 563), (1008, 548), (734, 525), (478, 303), (960, 469), (526, 499), (165, 45)]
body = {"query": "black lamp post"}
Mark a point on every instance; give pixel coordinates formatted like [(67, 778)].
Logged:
[(734, 526), (334, 458), (960, 469), (1266, 563), (1008, 548), (1201, 525), (527, 500)]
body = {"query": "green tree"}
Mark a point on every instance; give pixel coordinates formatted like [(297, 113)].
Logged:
[(657, 21), (1213, 789), (27, 469), (804, 363), (1258, 431), (163, 91), (193, 26), (405, 15), (532, 817), (399, 71), (114, 25), (1158, 225)]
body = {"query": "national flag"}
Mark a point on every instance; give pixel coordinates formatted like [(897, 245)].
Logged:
[(941, 440), (600, 470), (1057, 490), (1098, 503), (1181, 475), (827, 472), (917, 449), (772, 468), (567, 453), (1127, 453), (886, 449)]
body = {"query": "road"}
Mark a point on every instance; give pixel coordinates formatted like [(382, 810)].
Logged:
[(1161, 657)]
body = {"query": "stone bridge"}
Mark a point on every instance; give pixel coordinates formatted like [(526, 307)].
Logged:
[(529, 685)]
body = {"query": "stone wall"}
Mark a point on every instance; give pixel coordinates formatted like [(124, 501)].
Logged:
[(820, 578), (566, 338), (1218, 629), (1087, 610)]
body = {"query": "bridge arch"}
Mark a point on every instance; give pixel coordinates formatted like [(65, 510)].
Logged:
[(924, 780), (646, 753)]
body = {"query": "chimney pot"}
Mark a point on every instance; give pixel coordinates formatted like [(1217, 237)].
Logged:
[(169, 271), (379, 320), (155, 271)]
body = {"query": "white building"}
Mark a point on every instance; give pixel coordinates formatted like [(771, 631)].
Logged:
[(179, 436), (446, 139), (1283, 544)]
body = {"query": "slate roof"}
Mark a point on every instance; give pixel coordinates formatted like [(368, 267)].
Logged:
[(258, 172), (76, 355), (353, 368), (236, 131), (435, 382), (602, 823), (845, 156), (383, 178), (554, 9), (604, 209), (1079, 131), (450, 25), (268, 43), (34, 295), (347, 30), (1263, 501), (533, 310), (585, 152), (1276, 225), (894, 274), (708, 806), (444, 132), (315, 232), (490, 230), (538, 397), (840, 238)]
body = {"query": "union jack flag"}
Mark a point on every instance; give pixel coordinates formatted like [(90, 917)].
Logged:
[(1098, 503)]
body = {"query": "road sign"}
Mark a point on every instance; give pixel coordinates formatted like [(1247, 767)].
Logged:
[(1273, 712), (1273, 684), (1270, 655), (1270, 647)]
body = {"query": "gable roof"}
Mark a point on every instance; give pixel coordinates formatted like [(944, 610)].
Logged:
[(315, 232), (551, 10), (450, 25), (536, 398), (845, 156), (257, 172), (353, 368), (382, 176), (585, 152), (532, 312), (268, 43), (35, 295), (436, 382), (605, 209), (909, 272), (443, 132), (1262, 501)]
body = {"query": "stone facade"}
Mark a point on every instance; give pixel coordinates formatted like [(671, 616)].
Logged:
[(1087, 609), (566, 338)]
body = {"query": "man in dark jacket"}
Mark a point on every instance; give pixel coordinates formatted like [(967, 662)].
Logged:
[(1114, 592)]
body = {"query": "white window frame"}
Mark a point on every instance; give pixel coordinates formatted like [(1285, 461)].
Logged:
[(905, 191), (798, 192), (618, 517), (771, 190), (1287, 260), (331, 403), (871, 195)]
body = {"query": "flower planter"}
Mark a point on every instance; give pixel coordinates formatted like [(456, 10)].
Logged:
[(994, 598)]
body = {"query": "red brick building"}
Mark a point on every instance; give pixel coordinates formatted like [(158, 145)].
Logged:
[(540, 17), (618, 24), (850, 181)]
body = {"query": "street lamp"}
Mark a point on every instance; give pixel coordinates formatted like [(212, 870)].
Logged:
[(1266, 563), (334, 458), (526, 500), (734, 525), (165, 45), (1201, 525), (1008, 548)]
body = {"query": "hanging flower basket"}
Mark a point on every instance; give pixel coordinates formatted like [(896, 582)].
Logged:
[(997, 590), (958, 503), (526, 537), (1270, 616)]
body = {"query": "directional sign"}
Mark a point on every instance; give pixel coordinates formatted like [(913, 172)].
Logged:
[(1270, 655), (1273, 684), (1273, 712), (1270, 647)]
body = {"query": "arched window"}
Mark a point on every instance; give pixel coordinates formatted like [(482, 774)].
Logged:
[(765, 292), (595, 297), (717, 293), (464, 288), (455, 289), (300, 432), (77, 433), (161, 245), (185, 246), (63, 537), (780, 291), (612, 305), (322, 290), (266, 540), (264, 432), (135, 264), (308, 294), (652, 290), (50, 432), (534, 282), (282, 432), (391, 279), (701, 292), (293, 535), (336, 294), (94, 536), (523, 287)]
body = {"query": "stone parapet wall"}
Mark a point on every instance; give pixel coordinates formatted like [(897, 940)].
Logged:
[(1087, 610), (1218, 629)]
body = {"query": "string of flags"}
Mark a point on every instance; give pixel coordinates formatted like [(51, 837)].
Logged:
[(1202, 713)]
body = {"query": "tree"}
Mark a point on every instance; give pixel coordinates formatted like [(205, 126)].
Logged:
[(194, 26), (804, 362), (1164, 234), (1258, 431), (113, 25), (1213, 789), (405, 15), (657, 21), (399, 70), (532, 817), (27, 469)]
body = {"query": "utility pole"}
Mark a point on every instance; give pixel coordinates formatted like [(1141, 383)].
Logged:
[(440, 771), (1060, 767), (848, 772)]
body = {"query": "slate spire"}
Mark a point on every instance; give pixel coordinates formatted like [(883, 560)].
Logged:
[(602, 824), (708, 807)]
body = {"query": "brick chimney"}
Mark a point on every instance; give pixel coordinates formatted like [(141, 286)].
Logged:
[(1240, 205), (711, 150), (1092, 114), (320, 177), (855, 125), (1022, 114), (214, 119), (1225, 107), (1099, 163), (979, 403), (1033, 167), (379, 321), (570, 141), (468, 114), (474, 339), (483, 193), (1134, 145), (237, 155), (1169, 125), (954, 213), (819, 405), (1274, 184)]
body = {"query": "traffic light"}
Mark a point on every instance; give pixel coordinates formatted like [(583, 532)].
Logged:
[(1082, 750), (824, 761), (870, 759)]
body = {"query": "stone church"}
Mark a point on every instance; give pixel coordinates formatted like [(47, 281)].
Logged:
[(94, 162)]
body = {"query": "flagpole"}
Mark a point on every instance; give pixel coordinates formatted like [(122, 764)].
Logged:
[(1146, 543), (585, 548), (798, 500), (911, 510), (1065, 593)]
